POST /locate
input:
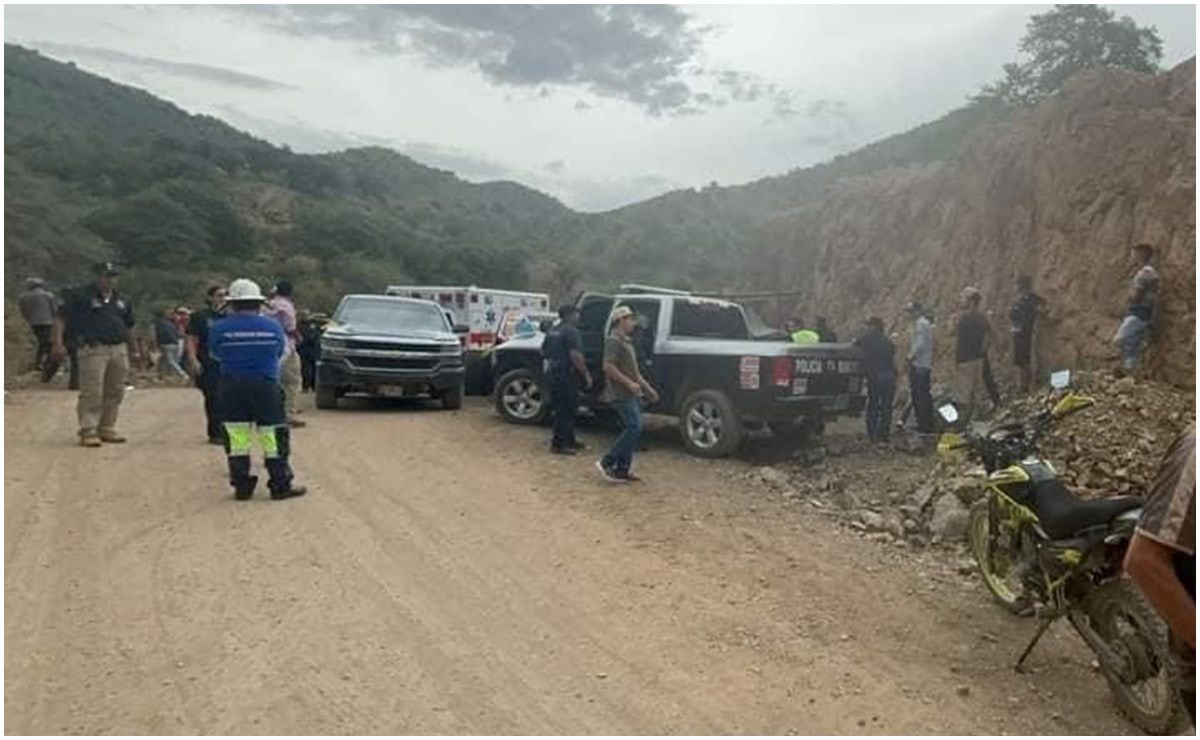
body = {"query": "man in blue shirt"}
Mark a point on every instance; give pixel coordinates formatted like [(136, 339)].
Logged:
[(249, 347)]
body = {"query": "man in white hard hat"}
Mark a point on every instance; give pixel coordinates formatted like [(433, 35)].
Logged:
[(249, 347)]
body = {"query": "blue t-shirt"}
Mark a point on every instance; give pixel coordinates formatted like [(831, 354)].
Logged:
[(248, 346)]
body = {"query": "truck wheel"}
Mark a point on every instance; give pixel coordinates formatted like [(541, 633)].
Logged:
[(709, 425), (520, 398), (452, 399), (327, 397)]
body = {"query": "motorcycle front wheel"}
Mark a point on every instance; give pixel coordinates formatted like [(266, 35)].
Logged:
[(1000, 559), (1141, 673)]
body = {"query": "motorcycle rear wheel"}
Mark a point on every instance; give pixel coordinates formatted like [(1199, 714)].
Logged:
[(997, 560), (1146, 685)]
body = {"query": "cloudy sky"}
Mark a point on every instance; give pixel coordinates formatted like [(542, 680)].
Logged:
[(599, 106)]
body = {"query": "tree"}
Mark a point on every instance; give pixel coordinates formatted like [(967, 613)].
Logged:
[(1067, 40)]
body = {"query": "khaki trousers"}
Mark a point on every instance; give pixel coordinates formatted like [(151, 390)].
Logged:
[(102, 372), (968, 386), (289, 378)]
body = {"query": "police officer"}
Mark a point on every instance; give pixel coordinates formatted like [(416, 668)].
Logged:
[(203, 366), (97, 319), (249, 347), (564, 366)]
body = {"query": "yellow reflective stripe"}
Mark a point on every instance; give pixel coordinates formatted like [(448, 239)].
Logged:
[(270, 443), (241, 437)]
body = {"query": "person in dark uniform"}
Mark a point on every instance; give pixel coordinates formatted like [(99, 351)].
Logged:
[(309, 349), (249, 348), (205, 369), (1024, 315), (564, 366), (98, 320), (827, 334), (879, 367)]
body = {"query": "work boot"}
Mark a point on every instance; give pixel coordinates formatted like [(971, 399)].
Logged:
[(243, 490), (90, 440), (111, 438), (289, 492)]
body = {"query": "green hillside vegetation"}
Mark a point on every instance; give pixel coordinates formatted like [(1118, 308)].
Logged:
[(96, 170)]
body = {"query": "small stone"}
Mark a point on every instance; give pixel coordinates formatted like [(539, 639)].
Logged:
[(963, 691), (843, 637), (601, 675)]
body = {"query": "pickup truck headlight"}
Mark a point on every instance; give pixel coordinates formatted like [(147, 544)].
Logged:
[(334, 346)]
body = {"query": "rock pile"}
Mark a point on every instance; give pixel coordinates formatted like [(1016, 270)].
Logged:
[(1114, 447)]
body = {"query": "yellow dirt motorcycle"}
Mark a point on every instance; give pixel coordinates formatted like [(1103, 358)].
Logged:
[(1043, 551)]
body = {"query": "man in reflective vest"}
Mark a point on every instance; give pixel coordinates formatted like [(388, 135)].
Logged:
[(249, 347)]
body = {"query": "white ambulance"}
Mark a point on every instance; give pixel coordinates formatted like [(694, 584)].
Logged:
[(479, 310)]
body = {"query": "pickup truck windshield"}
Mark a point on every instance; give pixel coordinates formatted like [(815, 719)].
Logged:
[(708, 319), (389, 316)]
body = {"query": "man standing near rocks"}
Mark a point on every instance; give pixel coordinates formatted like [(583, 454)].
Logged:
[(920, 366), (98, 320), (38, 307), (1024, 315), (879, 367), (1134, 332), (971, 341)]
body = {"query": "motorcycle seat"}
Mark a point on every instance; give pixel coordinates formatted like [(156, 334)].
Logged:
[(1063, 514)]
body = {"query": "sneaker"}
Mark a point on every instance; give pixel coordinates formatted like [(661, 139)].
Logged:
[(628, 477), (90, 440), (564, 451), (111, 438), (607, 473), (290, 492)]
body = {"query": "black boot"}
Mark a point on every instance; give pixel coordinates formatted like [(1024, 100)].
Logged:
[(244, 489), (292, 491)]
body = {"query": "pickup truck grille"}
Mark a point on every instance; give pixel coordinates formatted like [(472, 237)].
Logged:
[(392, 363), (390, 346)]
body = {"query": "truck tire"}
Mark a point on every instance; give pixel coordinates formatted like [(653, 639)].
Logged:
[(520, 397), (452, 399), (709, 425), (327, 397)]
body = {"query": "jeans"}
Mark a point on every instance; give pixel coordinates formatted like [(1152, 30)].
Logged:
[(209, 384), (563, 396), (42, 333), (169, 360), (1131, 338), (920, 381), (881, 391), (620, 458)]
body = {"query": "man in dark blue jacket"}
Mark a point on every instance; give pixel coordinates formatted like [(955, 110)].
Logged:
[(249, 347), (879, 367)]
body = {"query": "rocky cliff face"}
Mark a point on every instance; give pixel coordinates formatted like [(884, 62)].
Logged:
[(1059, 192)]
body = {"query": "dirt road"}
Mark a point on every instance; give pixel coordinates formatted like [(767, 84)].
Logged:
[(445, 575)]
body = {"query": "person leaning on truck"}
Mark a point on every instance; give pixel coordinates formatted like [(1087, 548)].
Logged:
[(624, 392), (563, 356)]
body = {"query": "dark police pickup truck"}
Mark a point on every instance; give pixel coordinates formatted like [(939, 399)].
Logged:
[(716, 366)]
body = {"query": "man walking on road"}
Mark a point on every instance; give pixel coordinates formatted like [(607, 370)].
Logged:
[(624, 390), (205, 369), (971, 340), (563, 356), (282, 308), (249, 346), (920, 366), (1134, 332), (38, 307), (879, 367), (98, 319), (1024, 315)]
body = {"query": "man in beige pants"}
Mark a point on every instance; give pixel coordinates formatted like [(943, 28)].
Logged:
[(97, 320)]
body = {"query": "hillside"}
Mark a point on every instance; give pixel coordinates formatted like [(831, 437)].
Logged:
[(1059, 192)]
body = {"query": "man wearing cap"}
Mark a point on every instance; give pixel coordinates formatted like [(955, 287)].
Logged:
[(562, 354), (624, 392), (283, 309), (249, 347), (38, 307), (98, 320)]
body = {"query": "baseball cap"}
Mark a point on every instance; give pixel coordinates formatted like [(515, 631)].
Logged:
[(621, 312), (106, 268)]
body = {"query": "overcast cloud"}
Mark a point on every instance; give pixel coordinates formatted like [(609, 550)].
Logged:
[(599, 106)]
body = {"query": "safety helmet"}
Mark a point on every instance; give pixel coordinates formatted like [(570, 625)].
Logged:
[(244, 289)]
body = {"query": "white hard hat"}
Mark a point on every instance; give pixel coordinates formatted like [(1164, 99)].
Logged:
[(243, 289)]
